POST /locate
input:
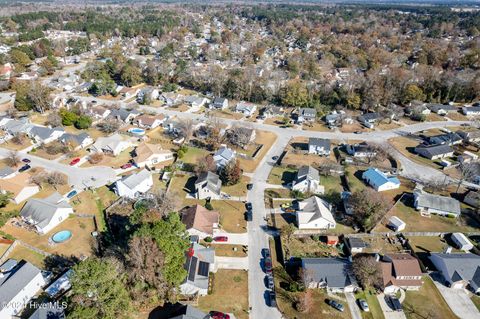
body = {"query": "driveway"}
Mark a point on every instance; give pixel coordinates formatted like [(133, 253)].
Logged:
[(457, 299), (387, 311), (231, 262), (353, 306), (233, 239)]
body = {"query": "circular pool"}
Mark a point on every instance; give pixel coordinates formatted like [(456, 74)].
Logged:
[(137, 131), (62, 236)]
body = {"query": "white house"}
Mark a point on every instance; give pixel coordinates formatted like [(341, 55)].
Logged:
[(208, 185), (319, 146), (307, 180), (379, 180), (195, 102), (45, 214), (113, 145), (435, 204), (149, 122), (146, 154), (219, 103), (45, 135), (332, 273), (471, 110), (81, 140), (462, 242), (19, 283), (132, 186), (19, 186), (248, 109), (199, 263), (223, 156), (315, 213)]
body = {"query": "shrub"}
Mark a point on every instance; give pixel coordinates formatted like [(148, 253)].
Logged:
[(209, 206), (83, 122), (95, 158), (208, 239)]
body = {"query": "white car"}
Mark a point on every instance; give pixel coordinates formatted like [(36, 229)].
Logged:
[(364, 305)]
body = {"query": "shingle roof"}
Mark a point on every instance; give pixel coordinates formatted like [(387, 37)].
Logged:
[(462, 266), (308, 112), (317, 206), (307, 172), (319, 142), (6, 171), (433, 150), (132, 181), (437, 202), (332, 271), (200, 255), (200, 218), (44, 132), (15, 280), (189, 312), (75, 138), (41, 211), (212, 181)]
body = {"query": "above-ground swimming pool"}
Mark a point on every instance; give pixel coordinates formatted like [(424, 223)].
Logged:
[(62, 236), (137, 131)]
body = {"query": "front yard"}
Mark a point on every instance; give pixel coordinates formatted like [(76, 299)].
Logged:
[(113, 161), (227, 250), (232, 216), (229, 293), (267, 139), (372, 301)]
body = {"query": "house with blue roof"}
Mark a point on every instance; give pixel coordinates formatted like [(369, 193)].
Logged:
[(379, 180)]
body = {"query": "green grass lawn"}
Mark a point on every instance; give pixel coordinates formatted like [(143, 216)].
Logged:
[(372, 301), (239, 189), (476, 301), (281, 175), (355, 179), (331, 183), (427, 302), (21, 252), (232, 217), (194, 155)]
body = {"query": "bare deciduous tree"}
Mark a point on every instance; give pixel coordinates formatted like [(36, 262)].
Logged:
[(18, 138), (240, 136), (12, 159), (55, 179), (367, 271), (185, 128), (109, 126), (54, 119)]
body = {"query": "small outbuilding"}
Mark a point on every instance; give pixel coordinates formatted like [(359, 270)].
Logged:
[(462, 241), (396, 224)]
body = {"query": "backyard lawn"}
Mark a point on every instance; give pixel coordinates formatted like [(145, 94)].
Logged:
[(308, 247), (21, 252), (194, 155), (416, 307), (229, 293)]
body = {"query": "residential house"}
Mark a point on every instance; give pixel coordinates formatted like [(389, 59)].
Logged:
[(171, 98), (79, 141), (471, 110), (50, 310), (13, 127), (315, 213), (332, 273), (7, 172), (19, 186), (447, 139), (307, 180), (361, 150), (146, 154), (459, 271), (472, 198), (248, 109), (396, 224), (132, 186), (441, 109), (199, 263), (242, 136), (187, 312), (19, 283), (319, 146), (400, 271), (335, 119), (200, 221), (112, 145), (208, 185), (355, 245), (124, 115), (223, 156), (462, 241), (46, 213), (147, 94), (306, 115), (98, 113), (273, 111), (127, 92), (369, 119), (434, 152), (219, 103), (195, 102), (436, 204), (472, 136), (149, 122), (380, 181), (45, 135)]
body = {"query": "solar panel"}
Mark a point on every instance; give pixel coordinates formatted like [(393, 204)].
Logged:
[(203, 268), (193, 266)]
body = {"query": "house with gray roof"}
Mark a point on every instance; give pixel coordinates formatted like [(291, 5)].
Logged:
[(188, 312), (306, 115), (434, 152), (248, 109), (19, 283), (471, 110), (45, 135), (223, 156), (334, 274), (208, 185), (441, 109), (451, 138), (307, 180), (319, 146), (199, 263), (458, 270), (49, 310), (436, 204), (81, 140), (7, 172), (219, 103), (124, 115), (370, 119), (44, 214), (132, 186), (13, 127)]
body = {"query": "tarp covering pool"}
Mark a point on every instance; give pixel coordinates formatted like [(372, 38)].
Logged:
[(62, 236)]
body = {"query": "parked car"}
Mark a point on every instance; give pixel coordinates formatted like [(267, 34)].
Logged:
[(220, 238), (266, 253), (125, 166), (71, 194), (272, 301), (268, 265), (269, 282), (75, 161), (250, 186), (248, 216), (357, 132), (218, 315), (363, 305), (24, 168), (336, 305), (275, 158), (395, 303), (26, 160), (248, 206)]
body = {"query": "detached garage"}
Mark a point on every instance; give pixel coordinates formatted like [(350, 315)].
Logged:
[(462, 241)]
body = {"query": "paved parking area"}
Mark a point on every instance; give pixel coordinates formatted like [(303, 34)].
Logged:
[(387, 311), (457, 299), (231, 262)]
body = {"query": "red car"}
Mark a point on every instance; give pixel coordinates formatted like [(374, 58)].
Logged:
[(220, 238), (75, 161), (125, 166), (218, 315)]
